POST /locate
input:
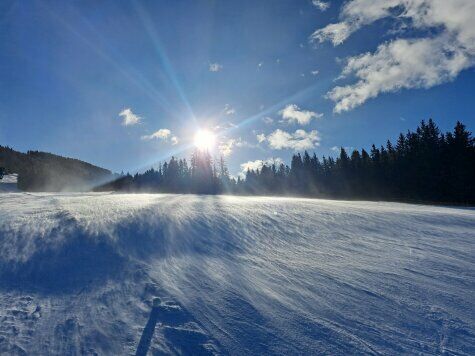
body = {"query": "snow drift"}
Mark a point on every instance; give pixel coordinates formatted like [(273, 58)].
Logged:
[(79, 273)]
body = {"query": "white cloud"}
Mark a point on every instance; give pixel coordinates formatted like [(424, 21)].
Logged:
[(228, 110), (162, 134), (401, 64), (129, 118), (215, 67), (261, 138), (268, 120), (337, 33), (227, 146), (314, 72), (258, 164), (299, 140), (447, 48), (292, 113), (321, 5)]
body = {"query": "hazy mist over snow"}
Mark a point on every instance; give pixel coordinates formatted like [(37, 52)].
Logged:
[(241, 275)]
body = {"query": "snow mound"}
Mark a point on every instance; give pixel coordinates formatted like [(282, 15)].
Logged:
[(181, 274)]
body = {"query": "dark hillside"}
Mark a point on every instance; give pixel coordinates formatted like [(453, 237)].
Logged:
[(41, 171)]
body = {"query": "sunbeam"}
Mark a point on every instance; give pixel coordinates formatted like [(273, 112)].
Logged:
[(135, 77), (164, 61)]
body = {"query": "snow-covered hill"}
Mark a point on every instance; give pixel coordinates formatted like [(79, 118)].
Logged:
[(234, 275)]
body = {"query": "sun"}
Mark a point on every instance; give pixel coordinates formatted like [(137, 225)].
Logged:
[(204, 140)]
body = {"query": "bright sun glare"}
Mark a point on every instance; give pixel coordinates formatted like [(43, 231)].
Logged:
[(204, 140)]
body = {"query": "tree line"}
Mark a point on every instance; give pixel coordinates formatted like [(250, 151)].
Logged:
[(423, 165)]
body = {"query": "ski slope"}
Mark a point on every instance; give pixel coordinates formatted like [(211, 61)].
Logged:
[(233, 275)]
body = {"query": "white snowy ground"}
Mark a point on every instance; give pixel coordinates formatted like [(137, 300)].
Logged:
[(234, 275)]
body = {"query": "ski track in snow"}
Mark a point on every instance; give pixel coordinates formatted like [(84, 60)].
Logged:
[(235, 275)]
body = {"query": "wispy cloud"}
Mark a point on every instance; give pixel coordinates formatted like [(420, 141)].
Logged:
[(162, 134), (228, 110), (227, 146), (224, 126), (314, 72), (215, 67), (260, 137), (321, 5), (267, 120), (293, 114), (447, 48), (298, 140), (129, 118)]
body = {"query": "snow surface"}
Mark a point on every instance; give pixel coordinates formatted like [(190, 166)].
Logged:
[(79, 274)]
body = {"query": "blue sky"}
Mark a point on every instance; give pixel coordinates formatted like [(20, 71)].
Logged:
[(269, 77)]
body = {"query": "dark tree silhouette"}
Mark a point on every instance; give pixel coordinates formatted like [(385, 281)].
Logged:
[(424, 165)]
